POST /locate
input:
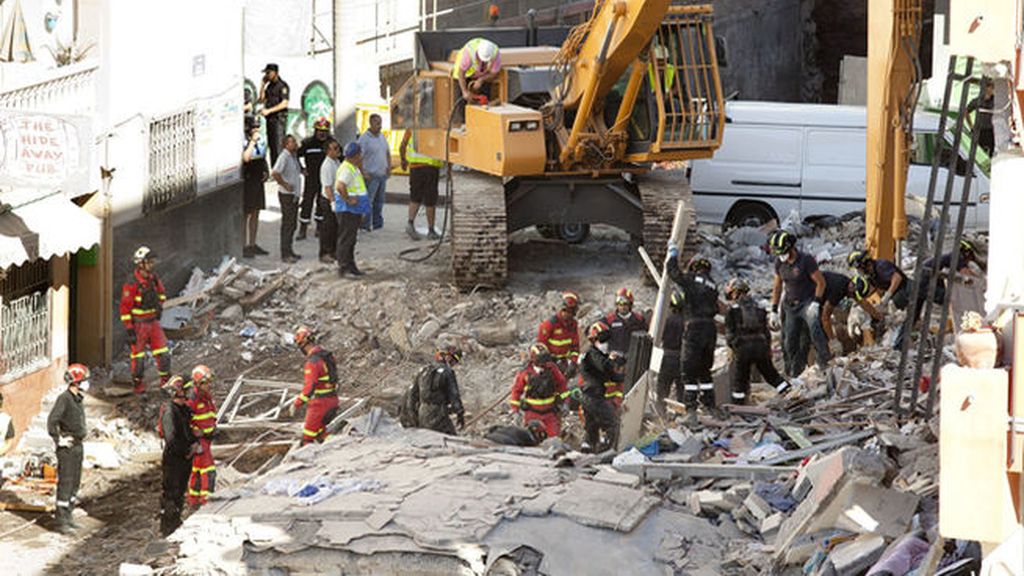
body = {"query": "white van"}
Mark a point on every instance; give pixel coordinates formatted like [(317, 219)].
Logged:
[(777, 157)]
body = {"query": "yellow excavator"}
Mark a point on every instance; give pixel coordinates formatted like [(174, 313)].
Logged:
[(573, 126)]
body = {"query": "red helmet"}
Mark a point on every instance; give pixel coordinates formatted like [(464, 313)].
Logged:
[(202, 374), (598, 331), (76, 374), (624, 296), (539, 354), (322, 123), (175, 386), (570, 300), (451, 354), (304, 335)]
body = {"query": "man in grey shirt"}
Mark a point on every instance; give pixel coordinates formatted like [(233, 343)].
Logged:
[(288, 175), (376, 169), (329, 226)]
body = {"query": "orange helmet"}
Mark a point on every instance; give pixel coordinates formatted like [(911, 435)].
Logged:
[(570, 300), (304, 335), (202, 374), (76, 374), (598, 331), (322, 123), (175, 386), (539, 354), (624, 296)]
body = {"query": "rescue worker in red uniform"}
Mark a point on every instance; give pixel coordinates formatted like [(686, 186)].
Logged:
[(560, 334), (623, 322), (203, 424), (601, 392), (539, 390), (142, 302), (319, 389)]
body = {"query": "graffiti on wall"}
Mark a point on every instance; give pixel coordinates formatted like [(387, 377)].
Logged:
[(44, 151), (315, 102)]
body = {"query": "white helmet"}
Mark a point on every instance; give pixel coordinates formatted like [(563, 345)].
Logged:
[(143, 253), (486, 51)]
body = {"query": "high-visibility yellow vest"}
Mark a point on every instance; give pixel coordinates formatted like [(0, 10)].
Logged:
[(414, 157), (670, 75), (357, 189), (471, 47)]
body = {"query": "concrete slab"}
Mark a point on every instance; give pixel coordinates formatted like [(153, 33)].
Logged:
[(604, 505)]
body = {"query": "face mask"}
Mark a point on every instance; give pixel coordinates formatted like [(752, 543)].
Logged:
[(603, 347), (83, 385), (783, 258)]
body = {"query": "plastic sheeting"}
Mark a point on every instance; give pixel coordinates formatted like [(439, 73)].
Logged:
[(1006, 235)]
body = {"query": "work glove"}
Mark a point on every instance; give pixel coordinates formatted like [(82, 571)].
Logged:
[(293, 408), (884, 303), (773, 321), (813, 310), (460, 417), (65, 441), (673, 249), (835, 347), (159, 313), (132, 338)]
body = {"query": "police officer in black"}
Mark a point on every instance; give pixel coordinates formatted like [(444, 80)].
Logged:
[(311, 154), (274, 98), (66, 425), (700, 304), (671, 347), (746, 332)]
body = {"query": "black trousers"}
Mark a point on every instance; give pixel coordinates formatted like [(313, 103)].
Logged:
[(348, 230), (176, 471), (747, 353), (69, 479), (668, 375), (328, 226), (698, 357), (600, 415), (289, 215), (310, 200), (275, 135)]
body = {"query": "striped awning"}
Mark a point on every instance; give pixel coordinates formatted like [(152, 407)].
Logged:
[(43, 229)]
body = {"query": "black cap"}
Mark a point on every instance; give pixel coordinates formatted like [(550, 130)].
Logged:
[(269, 68)]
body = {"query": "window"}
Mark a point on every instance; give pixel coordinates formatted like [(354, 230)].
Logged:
[(172, 167), (922, 152), (24, 319)]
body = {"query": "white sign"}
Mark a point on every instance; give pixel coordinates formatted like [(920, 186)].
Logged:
[(44, 151)]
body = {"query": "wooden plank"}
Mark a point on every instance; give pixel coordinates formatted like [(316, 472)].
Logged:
[(261, 295), (651, 268), (26, 507), (632, 420), (820, 447), (688, 470), (796, 434)]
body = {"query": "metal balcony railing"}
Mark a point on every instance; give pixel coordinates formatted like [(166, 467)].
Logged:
[(70, 90), (24, 335)]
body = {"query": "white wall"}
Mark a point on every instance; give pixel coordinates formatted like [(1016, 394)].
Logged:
[(160, 58)]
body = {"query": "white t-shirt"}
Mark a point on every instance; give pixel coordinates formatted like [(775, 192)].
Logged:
[(287, 166), (328, 175)]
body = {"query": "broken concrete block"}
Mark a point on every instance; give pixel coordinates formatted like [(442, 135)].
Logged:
[(770, 525), (426, 332), (490, 472), (709, 503), (233, 312), (496, 334), (757, 506), (857, 555), (399, 337)]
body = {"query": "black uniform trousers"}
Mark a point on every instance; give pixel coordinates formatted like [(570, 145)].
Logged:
[(69, 479), (698, 358), (751, 351), (668, 375), (275, 134), (176, 471), (599, 414), (328, 227)]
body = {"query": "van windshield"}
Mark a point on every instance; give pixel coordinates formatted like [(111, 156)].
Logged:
[(923, 152)]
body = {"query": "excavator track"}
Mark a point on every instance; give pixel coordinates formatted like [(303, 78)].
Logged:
[(660, 193), (479, 231)]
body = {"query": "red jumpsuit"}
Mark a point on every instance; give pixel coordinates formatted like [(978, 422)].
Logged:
[(562, 337), (204, 423), (142, 301), (320, 390), (539, 392)]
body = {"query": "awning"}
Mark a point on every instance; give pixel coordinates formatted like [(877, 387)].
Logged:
[(45, 228)]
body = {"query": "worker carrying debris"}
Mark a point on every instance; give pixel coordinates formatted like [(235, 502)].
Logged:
[(532, 435), (142, 303), (539, 390), (623, 321), (203, 424), (864, 323), (319, 388), (746, 332), (476, 64), (66, 425), (670, 372), (560, 334), (600, 396), (180, 445), (434, 395), (700, 304), (884, 276), (805, 291)]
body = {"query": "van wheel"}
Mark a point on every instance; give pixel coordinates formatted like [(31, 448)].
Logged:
[(749, 214), (574, 233)]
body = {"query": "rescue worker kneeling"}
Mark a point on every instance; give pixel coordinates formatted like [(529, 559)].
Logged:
[(746, 332), (319, 389), (434, 395), (601, 393), (539, 390)]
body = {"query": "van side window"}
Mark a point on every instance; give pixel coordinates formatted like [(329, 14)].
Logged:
[(923, 152)]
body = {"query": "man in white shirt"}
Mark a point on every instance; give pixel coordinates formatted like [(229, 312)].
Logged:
[(329, 226), (376, 168), (288, 175)]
